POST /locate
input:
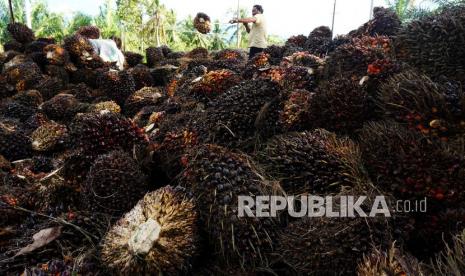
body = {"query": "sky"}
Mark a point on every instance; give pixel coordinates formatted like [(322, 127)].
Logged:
[(284, 18)]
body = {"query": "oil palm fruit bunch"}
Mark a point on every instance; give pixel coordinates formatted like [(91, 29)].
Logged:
[(31, 98), (217, 176), (410, 165), (276, 53), (62, 107), (117, 85), (80, 49), (385, 22), (449, 261), (303, 59), (58, 72), (383, 68), (296, 40), (50, 86), (352, 59), (42, 164), (57, 55), (389, 262), (106, 106), (14, 144), (336, 244), (33, 122), (16, 110), (233, 116), (429, 107), (340, 105), (202, 23), (81, 92), (170, 147), (198, 53), (13, 45), (21, 33), (434, 230), (143, 97), (91, 32), (49, 137), (99, 133), (261, 60), (214, 83), (309, 162), (154, 56), (35, 46), (117, 40), (229, 54), (298, 77), (295, 110), (159, 235), (106, 186), (423, 42), (318, 41), (142, 76), (132, 58), (23, 76)]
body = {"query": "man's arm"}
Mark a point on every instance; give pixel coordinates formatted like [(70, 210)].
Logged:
[(247, 27), (244, 20)]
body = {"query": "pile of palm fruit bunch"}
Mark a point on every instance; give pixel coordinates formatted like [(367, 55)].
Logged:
[(140, 170)]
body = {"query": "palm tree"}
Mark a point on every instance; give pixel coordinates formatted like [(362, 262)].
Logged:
[(217, 41), (45, 23)]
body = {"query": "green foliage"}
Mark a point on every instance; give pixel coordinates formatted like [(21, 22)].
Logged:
[(139, 23), (45, 23)]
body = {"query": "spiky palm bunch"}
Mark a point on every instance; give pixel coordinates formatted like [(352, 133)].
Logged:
[(429, 107), (422, 44), (217, 177)]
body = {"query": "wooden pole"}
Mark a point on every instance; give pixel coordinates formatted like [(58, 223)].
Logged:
[(334, 16), (371, 9), (238, 26), (12, 17)]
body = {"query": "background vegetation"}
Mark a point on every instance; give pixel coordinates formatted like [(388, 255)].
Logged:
[(146, 23)]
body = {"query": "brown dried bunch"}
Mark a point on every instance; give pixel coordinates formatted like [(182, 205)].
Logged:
[(159, 235), (154, 56), (49, 136), (390, 262), (91, 32), (21, 33), (202, 23)]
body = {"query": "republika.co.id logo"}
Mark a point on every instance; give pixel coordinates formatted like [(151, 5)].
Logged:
[(329, 206)]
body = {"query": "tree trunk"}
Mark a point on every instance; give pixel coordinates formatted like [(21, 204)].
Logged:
[(12, 17)]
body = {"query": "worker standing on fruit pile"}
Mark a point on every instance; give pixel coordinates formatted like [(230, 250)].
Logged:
[(257, 33)]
